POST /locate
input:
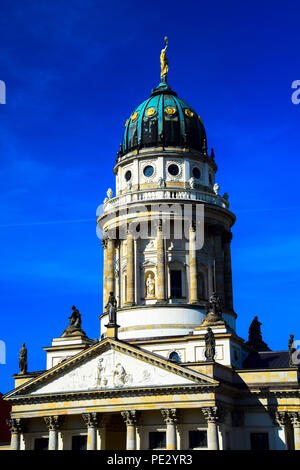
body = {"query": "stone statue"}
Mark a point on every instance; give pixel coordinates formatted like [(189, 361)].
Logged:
[(74, 326), (111, 308), (292, 349), (161, 182), (210, 345), (255, 337), (192, 182), (150, 286), (75, 318), (120, 375), (214, 305), (216, 188), (23, 359), (109, 193), (164, 61), (213, 311), (101, 378)]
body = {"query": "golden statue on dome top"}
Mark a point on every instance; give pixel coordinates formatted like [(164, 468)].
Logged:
[(164, 61)]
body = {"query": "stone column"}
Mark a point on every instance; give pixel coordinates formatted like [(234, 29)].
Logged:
[(105, 296), (92, 422), (130, 270), (227, 237), (219, 259), (110, 268), (295, 420), (130, 418), (102, 437), (193, 298), (211, 414), (16, 428), (170, 418), (54, 424), (160, 264)]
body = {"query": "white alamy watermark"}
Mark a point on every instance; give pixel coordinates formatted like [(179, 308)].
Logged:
[(296, 94), (2, 352), (2, 92), (142, 221)]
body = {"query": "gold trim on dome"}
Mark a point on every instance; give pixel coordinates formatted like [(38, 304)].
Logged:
[(126, 122), (200, 119), (134, 116), (188, 112), (170, 110), (150, 112)]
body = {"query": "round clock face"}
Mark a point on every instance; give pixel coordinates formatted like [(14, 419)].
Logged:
[(128, 175), (148, 171), (173, 169), (196, 173)]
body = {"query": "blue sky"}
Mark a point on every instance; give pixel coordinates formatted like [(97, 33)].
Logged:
[(74, 72)]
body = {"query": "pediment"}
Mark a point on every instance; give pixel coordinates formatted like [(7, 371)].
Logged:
[(111, 365)]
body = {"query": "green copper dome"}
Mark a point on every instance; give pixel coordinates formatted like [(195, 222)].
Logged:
[(164, 120)]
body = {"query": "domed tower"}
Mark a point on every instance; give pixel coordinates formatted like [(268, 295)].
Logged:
[(167, 231)]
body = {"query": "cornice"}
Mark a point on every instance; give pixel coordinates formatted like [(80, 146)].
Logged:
[(112, 393)]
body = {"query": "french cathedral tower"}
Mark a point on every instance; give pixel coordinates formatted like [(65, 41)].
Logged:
[(160, 272)]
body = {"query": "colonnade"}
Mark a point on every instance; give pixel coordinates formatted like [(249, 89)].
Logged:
[(222, 272), (289, 421), (95, 423)]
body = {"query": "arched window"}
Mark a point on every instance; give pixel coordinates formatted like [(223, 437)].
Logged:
[(174, 357)]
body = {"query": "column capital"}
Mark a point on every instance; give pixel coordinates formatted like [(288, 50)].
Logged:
[(130, 417), (192, 226), (213, 414), (92, 420), (170, 415), (53, 423), (279, 418), (295, 418), (104, 242), (16, 425), (159, 225)]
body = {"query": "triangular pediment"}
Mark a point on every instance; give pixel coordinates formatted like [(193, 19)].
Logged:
[(111, 365)]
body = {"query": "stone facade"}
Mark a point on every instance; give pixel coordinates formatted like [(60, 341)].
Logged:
[(146, 384)]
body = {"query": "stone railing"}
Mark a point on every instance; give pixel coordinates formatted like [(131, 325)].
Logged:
[(163, 194)]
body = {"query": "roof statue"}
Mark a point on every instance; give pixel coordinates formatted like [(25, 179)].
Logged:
[(74, 327), (210, 345), (255, 337), (23, 359), (111, 308), (164, 64), (213, 311), (292, 349)]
